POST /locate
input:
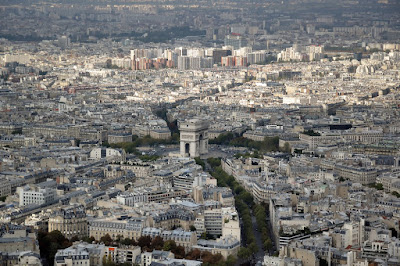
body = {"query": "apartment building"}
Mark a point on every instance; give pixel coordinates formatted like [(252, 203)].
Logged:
[(119, 138), (173, 218), (143, 195), (88, 254), (70, 221), (36, 195), (182, 238), (127, 227)]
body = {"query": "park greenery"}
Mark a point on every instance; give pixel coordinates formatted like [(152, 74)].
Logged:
[(269, 144), (377, 186), (214, 162), (17, 131), (311, 133)]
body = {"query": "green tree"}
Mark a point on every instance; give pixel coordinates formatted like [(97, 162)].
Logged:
[(210, 259), (144, 241), (17, 131), (244, 253), (214, 162), (157, 243), (169, 245), (126, 241), (286, 148), (49, 243), (268, 244), (200, 162), (203, 235), (106, 239), (223, 139), (311, 132), (74, 239), (119, 238), (88, 239), (194, 254), (231, 260), (323, 262), (107, 261), (179, 252)]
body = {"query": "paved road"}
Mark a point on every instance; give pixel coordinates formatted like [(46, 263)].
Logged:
[(257, 233)]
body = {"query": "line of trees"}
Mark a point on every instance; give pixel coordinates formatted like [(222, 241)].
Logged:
[(50, 242), (244, 202), (311, 132), (200, 162), (260, 213), (267, 145), (148, 244)]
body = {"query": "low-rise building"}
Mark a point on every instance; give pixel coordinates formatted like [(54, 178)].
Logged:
[(36, 195), (173, 218), (225, 246), (16, 240)]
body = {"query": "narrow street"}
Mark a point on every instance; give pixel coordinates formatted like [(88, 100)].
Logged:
[(271, 236), (260, 253)]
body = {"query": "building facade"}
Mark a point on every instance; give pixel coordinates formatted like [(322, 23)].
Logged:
[(70, 221)]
